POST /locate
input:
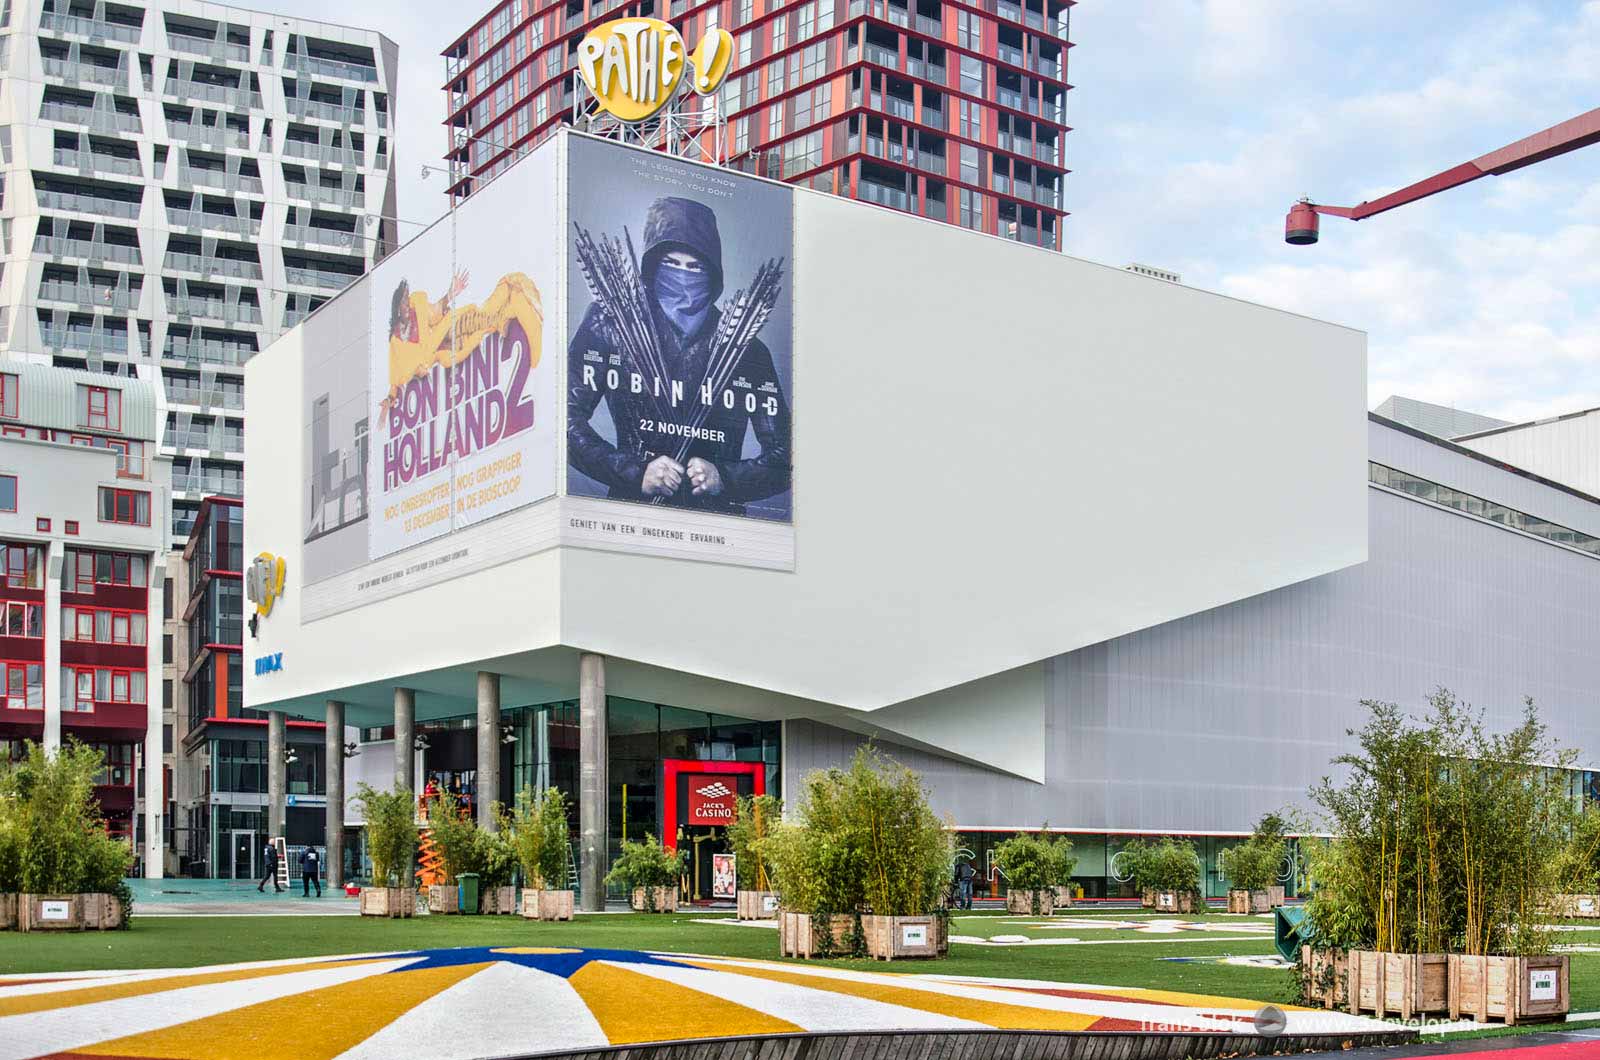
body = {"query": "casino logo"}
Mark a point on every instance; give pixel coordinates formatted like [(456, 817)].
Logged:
[(713, 803)]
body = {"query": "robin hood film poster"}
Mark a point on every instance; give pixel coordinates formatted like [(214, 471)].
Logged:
[(680, 350), (463, 380)]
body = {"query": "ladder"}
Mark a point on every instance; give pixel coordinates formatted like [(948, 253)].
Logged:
[(282, 846), (572, 872)]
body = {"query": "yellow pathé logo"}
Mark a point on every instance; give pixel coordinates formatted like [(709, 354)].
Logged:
[(633, 65), (263, 582)]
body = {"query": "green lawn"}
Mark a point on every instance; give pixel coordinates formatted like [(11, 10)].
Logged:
[(1128, 957)]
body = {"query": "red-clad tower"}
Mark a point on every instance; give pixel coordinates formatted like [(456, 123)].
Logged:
[(956, 111)]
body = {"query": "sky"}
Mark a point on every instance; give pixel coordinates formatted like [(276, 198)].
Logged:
[(1196, 123)]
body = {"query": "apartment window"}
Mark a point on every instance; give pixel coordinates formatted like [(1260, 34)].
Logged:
[(969, 31), (21, 619), (10, 389), (741, 135), (71, 526), (747, 9), (969, 119), (24, 566), (127, 507), (775, 123), (87, 685), (166, 647), (971, 76), (41, 525), (85, 570), (24, 685), (780, 32), (969, 164), (94, 625), (8, 493), (745, 43), (100, 407), (774, 78), (816, 60)]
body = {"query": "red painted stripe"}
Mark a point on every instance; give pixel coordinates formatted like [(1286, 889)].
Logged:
[(1558, 1051)]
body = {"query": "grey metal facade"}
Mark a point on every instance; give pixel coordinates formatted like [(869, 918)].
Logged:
[(1202, 724)]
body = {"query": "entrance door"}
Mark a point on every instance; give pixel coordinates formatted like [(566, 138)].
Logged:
[(703, 842), (244, 855)]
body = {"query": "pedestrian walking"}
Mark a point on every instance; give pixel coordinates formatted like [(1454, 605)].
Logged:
[(965, 874), (308, 873), (271, 858)]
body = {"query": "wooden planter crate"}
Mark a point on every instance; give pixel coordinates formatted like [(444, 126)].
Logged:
[(758, 905), (444, 898), (1148, 899), (1324, 976), (388, 901), (1402, 984), (8, 911), (1576, 906), (892, 937), (800, 934), (1240, 901), (1022, 902), (67, 912), (546, 905), (1513, 989), (1173, 902), (500, 900), (666, 899), (1063, 897), (1274, 897)]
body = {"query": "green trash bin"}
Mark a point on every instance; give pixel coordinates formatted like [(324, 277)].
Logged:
[(467, 891)]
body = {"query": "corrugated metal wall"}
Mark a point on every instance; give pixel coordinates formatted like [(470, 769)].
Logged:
[(1205, 723)]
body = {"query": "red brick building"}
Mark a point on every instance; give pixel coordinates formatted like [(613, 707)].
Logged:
[(951, 110)]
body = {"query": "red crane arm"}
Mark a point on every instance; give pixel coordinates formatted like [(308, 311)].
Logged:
[(1556, 140)]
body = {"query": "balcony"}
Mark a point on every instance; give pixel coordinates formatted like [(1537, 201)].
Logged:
[(1014, 56), (216, 136), (91, 118), (181, 391), (350, 199), (234, 268), (227, 95), (328, 281), (96, 162), (317, 236), (88, 295), (80, 202), (66, 247), (191, 176), (207, 46), (329, 155), (883, 196), (214, 309), (212, 480), (208, 440), (77, 73), (315, 109), (91, 29), (84, 341), (305, 64), (194, 352), (933, 27), (243, 227)]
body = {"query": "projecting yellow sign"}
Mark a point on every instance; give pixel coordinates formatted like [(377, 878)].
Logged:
[(263, 582), (634, 65)]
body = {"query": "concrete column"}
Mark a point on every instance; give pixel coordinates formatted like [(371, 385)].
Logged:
[(405, 755), (333, 871), (488, 747), (155, 801), (277, 774), (592, 786)]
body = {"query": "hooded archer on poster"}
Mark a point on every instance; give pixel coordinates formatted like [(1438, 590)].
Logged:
[(680, 361)]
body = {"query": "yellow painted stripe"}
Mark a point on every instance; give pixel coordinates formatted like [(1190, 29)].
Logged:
[(89, 995), (631, 1007), (993, 1013), (315, 1025)]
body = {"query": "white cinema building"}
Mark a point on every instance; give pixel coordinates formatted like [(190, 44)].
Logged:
[(1124, 561)]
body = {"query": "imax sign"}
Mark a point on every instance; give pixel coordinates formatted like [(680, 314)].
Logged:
[(268, 664)]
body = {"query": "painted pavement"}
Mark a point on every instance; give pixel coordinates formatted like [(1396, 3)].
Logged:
[(462, 1004)]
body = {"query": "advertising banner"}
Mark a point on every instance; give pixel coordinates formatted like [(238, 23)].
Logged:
[(724, 876), (432, 398), (680, 348)]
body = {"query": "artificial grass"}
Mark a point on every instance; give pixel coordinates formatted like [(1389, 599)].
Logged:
[(1125, 958)]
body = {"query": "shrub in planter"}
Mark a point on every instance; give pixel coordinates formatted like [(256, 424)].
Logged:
[(1447, 838), (1167, 872), (867, 846), (53, 843), (539, 832), (458, 839), (748, 837), (1034, 868), (1252, 867), (392, 845), (649, 873)]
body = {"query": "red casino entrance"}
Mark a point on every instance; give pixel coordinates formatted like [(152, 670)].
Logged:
[(699, 801)]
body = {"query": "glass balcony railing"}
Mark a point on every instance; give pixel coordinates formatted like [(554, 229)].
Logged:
[(1009, 54), (931, 26), (192, 176), (882, 195), (322, 237), (1008, 10), (89, 118), (207, 46), (88, 295), (330, 281), (1009, 98), (202, 219), (228, 95), (214, 309), (198, 351), (882, 56), (306, 64), (64, 247), (205, 440), (189, 392), (209, 135), (92, 28), (85, 73), (96, 162), (332, 196), (212, 481), (83, 340), (182, 261), (311, 108), (330, 154), (86, 203)]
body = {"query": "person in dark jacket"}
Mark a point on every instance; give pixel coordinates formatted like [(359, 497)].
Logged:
[(308, 873), (965, 874), (271, 858), (681, 270)]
